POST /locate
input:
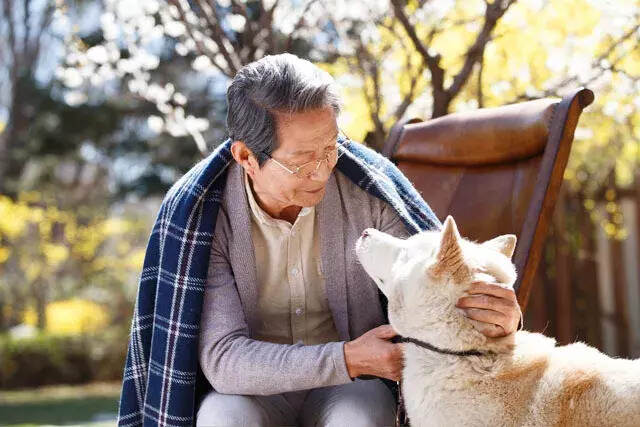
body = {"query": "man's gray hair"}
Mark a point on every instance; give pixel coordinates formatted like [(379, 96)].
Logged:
[(280, 83)]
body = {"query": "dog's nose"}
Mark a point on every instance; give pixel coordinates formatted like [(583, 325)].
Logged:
[(365, 233)]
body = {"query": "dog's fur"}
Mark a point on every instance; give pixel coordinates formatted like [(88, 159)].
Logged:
[(523, 379)]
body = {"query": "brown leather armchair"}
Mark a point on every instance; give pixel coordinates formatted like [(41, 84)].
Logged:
[(495, 170)]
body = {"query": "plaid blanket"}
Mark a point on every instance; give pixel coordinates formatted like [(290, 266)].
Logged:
[(159, 381)]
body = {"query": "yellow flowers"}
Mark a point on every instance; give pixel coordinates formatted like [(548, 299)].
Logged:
[(42, 234), (57, 252), (70, 317), (13, 217), (4, 254), (136, 259)]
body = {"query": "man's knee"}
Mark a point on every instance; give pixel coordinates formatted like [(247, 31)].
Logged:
[(219, 409), (358, 416), (363, 403), (356, 412)]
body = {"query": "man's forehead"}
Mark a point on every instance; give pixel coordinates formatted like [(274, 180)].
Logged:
[(302, 147), (304, 132)]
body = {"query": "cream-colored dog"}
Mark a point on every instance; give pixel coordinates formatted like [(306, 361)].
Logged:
[(460, 376)]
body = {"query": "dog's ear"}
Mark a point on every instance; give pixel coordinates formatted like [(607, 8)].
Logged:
[(504, 244), (449, 259)]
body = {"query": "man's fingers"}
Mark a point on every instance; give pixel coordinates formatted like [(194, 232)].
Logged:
[(385, 331), (399, 350), (487, 316), (490, 330), (492, 289), (486, 302)]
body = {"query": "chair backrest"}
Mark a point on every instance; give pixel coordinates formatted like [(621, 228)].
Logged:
[(495, 170)]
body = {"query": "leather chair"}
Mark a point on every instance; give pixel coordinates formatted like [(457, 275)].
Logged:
[(495, 170)]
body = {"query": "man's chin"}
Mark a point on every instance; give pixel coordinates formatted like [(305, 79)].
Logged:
[(309, 199)]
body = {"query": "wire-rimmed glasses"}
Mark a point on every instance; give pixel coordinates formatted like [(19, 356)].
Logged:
[(331, 157)]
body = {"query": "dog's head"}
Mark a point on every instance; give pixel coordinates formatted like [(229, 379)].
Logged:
[(424, 276)]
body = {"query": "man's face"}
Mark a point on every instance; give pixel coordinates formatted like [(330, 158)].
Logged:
[(302, 137)]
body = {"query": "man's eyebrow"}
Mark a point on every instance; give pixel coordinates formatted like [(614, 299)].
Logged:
[(298, 152)]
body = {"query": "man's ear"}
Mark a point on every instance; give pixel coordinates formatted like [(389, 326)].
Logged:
[(244, 156), (505, 244), (450, 259)]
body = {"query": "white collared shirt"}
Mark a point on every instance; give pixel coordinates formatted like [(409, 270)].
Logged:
[(292, 302)]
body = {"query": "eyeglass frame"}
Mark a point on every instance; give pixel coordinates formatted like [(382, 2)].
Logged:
[(338, 145)]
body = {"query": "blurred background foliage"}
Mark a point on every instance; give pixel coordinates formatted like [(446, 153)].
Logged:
[(104, 104)]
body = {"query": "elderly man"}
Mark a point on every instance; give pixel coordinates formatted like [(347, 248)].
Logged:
[(252, 308), (282, 255)]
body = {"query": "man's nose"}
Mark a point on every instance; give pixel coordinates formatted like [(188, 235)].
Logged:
[(322, 173)]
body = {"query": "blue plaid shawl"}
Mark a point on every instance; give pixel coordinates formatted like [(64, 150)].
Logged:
[(162, 382)]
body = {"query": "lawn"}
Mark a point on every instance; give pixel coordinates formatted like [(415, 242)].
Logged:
[(92, 404)]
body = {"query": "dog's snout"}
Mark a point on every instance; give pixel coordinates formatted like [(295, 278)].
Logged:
[(365, 234)]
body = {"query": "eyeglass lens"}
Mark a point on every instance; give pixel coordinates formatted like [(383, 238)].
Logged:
[(331, 158)]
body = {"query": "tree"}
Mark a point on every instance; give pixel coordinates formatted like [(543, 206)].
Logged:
[(423, 58), (22, 32)]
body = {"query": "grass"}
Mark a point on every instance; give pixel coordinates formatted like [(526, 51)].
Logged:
[(61, 405)]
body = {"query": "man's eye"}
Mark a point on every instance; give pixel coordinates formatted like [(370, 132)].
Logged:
[(330, 150)]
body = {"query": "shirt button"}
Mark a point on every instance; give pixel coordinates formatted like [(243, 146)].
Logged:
[(298, 311), (294, 271)]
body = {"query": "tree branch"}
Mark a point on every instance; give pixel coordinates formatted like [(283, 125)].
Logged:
[(199, 45), (47, 17), (7, 11), (266, 20), (299, 24), (493, 13), (215, 26), (27, 25), (408, 97), (248, 35), (596, 65), (441, 97), (432, 61)]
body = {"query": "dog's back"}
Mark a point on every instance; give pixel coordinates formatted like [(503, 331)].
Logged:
[(538, 384), (573, 385)]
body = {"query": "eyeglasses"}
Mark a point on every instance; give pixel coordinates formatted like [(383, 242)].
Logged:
[(331, 157)]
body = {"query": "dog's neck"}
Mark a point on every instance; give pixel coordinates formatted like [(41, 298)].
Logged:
[(435, 349)]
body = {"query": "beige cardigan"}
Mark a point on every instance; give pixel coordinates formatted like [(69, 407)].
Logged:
[(232, 361)]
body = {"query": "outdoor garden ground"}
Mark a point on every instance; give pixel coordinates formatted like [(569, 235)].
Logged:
[(93, 405)]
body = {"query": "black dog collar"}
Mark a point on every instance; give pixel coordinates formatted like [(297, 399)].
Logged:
[(399, 338)]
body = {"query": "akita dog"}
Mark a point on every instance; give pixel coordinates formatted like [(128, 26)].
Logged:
[(454, 375)]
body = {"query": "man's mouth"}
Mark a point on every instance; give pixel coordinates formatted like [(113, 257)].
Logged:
[(315, 191)]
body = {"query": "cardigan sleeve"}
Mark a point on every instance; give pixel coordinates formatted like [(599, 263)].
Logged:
[(234, 363)]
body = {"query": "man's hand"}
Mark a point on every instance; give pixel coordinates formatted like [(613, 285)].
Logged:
[(495, 306), (372, 354)]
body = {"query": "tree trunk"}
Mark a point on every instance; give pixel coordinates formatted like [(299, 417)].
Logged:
[(5, 138), (41, 303)]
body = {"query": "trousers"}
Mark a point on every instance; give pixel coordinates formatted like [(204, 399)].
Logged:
[(359, 403)]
